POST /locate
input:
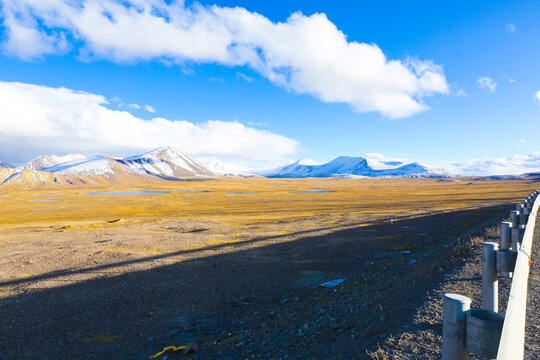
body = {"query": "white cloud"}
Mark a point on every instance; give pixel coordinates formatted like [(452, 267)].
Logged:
[(537, 98), (134, 106), (150, 109), (457, 90), (510, 28), (244, 76), (24, 37), (305, 54), (517, 164), (37, 119), (521, 141), (511, 81), (486, 83), (217, 80), (380, 157)]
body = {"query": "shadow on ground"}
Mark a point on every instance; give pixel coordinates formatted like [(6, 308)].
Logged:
[(263, 302)]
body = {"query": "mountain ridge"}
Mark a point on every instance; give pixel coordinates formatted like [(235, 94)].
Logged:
[(356, 166), (164, 163)]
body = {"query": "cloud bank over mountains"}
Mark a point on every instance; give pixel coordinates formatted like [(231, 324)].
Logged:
[(36, 120), (517, 164), (304, 54)]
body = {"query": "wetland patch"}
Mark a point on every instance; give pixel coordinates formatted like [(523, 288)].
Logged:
[(126, 193)]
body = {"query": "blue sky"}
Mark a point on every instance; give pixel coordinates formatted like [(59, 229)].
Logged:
[(476, 100)]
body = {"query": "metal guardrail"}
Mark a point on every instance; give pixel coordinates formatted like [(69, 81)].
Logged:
[(484, 332), (513, 333)]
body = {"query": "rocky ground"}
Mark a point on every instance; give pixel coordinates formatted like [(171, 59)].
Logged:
[(256, 297), (422, 338)]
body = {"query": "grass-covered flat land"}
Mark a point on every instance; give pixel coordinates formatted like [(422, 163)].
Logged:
[(232, 265), (251, 201)]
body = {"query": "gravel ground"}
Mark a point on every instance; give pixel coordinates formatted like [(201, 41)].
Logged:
[(256, 299), (422, 339), (264, 302)]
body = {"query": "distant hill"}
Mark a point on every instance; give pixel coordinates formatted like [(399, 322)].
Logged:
[(44, 161), (344, 166), (5, 165), (167, 162), (158, 164)]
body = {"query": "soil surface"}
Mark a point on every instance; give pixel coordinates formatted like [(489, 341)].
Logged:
[(112, 293), (422, 338)]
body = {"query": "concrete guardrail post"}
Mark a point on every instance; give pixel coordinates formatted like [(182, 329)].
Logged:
[(514, 218), (454, 309), (505, 235), (505, 244), (522, 217), (490, 280)]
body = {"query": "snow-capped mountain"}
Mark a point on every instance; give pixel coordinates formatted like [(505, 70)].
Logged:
[(97, 165), (228, 169), (156, 165), (44, 161), (5, 165), (167, 162), (356, 166), (300, 168)]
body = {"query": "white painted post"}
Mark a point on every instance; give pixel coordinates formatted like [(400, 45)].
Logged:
[(506, 243), (490, 281), (454, 310), (522, 219), (505, 234), (514, 218)]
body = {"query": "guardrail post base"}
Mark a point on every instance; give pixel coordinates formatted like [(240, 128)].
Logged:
[(483, 329), (517, 236), (506, 262), (454, 309)]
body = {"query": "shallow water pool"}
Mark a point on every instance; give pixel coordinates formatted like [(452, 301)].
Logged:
[(313, 192), (126, 192)]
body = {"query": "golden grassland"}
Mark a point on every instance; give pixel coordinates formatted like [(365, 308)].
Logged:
[(83, 266), (239, 201)]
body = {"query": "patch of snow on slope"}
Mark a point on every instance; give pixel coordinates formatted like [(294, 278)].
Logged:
[(224, 168), (167, 161), (300, 168), (307, 162), (45, 161), (98, 165)]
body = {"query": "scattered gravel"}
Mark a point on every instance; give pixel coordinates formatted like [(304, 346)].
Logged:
[(263, 301), (422, 339)]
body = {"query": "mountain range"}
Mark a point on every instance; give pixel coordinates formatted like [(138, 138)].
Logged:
[(167, 163), (74, 169), (346, 166)]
